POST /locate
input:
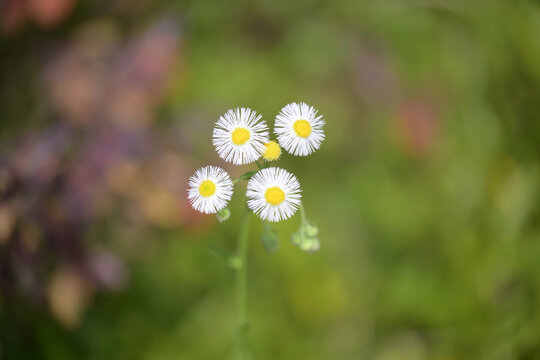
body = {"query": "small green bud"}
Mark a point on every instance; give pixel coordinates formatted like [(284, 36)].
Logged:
[(235, 262), (296, 238), (310, 245), (223, 214), (269, 238), (311, 230), (306, 237)]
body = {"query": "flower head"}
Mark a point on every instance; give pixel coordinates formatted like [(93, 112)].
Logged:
[(239, 136), (274, 194), (272, 151), (298, 128), (210, 189)]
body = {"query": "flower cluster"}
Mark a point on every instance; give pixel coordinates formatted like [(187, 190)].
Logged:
[(241, 137)]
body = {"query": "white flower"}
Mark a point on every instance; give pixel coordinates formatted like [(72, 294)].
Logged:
[(239, 136), (274, 194), (298, 129), (210, 189)]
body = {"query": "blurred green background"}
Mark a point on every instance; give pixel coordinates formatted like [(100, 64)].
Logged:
[(426, 190)]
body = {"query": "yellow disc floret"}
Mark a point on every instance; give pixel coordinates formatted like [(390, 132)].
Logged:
[(240, 136), (272, 151), (302, 128), (207, 188), (274, 195)]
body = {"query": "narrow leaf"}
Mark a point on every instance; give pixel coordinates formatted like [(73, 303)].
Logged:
[(230, 258)]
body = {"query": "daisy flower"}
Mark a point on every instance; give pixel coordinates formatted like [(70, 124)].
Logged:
[(274, 194), (298, 128), (210, 189), (239, 136), (272, 151)]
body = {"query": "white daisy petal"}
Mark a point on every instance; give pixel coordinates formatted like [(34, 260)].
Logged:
[(274, 194), (298, 129), (210, 189), (239, 136)]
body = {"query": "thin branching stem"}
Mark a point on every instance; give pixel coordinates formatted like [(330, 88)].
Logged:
[(241, 289), (303, 213)]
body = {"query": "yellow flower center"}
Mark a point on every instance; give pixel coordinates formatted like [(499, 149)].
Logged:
[(302, 128), (272, 152), (240, 135), (274, 195), (207, 188)]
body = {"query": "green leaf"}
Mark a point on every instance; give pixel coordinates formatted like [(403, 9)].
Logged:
[(245, 176), (230, 258)]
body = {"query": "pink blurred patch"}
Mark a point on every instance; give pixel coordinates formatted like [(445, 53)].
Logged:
[(45, 13), (12, 15), (375, 78), (416, 126), (107, 270), (91, 82), (143, 75), (49, 13)]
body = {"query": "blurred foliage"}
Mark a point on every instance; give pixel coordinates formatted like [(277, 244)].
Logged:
[(426, 191)]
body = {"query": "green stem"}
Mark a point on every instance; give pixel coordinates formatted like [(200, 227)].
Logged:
[(245, 176), (303, 213), (241, 288)]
